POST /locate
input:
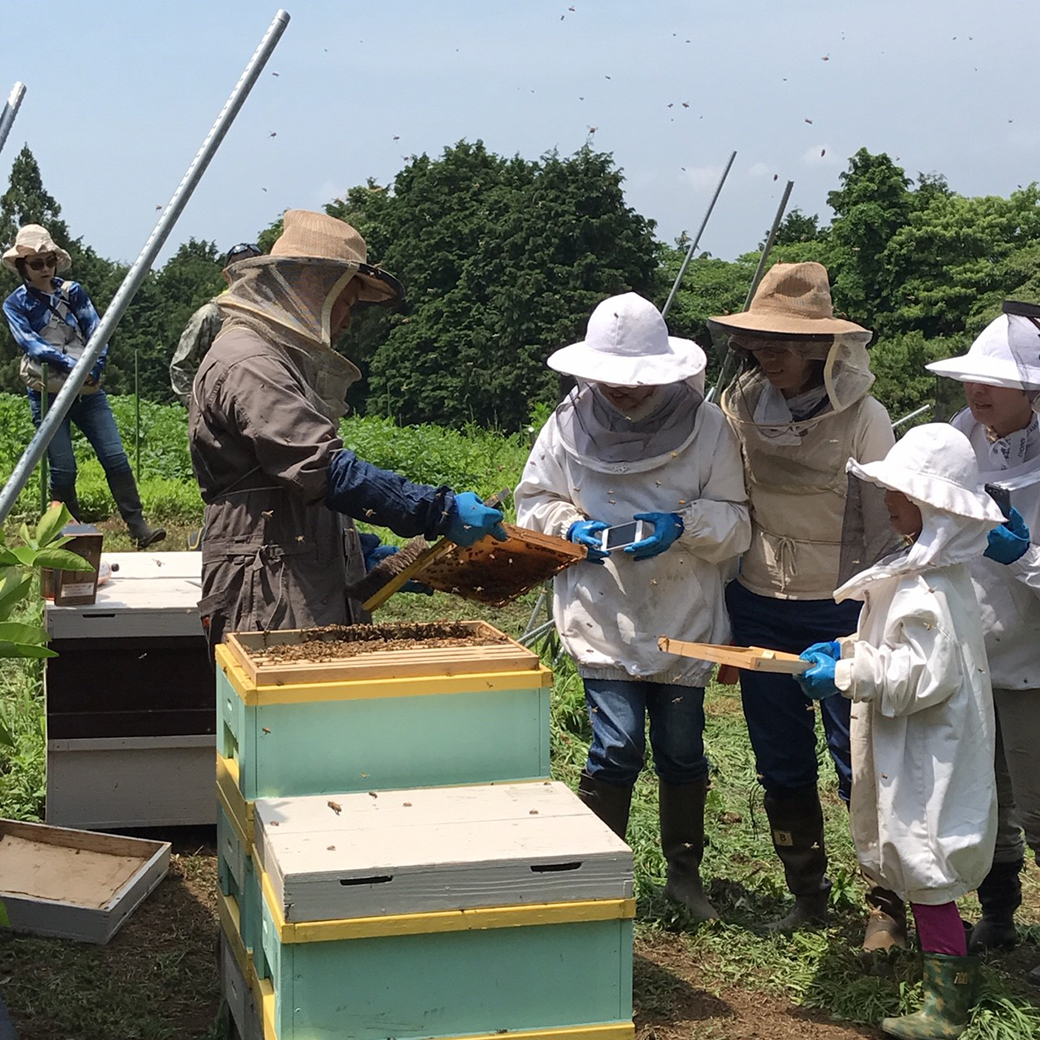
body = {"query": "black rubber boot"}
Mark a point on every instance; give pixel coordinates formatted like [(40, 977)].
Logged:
[(796, 821), (886, 926), (1000, 895), (681, 808), (124, 491), (611, 804), (68, 496)]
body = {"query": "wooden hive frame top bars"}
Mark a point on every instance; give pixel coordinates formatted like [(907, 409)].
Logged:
[(499, 654)]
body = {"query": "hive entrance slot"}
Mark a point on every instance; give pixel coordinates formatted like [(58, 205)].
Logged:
[(553, 868), (375, 879)]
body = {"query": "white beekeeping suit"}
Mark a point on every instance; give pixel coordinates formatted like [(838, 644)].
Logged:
[(923, 804)]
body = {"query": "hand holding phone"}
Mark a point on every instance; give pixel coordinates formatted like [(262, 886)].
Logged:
[(621, 536)]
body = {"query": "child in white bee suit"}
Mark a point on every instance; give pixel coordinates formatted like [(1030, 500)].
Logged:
[(923, 810), (1001, 377), (636, 440)]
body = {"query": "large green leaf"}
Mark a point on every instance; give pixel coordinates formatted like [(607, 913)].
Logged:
[(13, 590), (17, 632), (24, 555), (51, 523), (8, 558), (26, 536), (62, 560), (24, 650)]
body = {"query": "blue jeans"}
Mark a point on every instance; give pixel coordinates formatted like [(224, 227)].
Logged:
[(780, 720), (93, 415), (618, 711)]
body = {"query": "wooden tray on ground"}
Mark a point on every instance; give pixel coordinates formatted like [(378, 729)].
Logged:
[(495, 572), (750, 658), (75, 884), (499, 654)]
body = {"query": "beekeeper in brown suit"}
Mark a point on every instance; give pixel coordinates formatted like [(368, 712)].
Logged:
[(279, 546)]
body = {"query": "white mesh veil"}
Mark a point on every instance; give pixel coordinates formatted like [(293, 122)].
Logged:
[(289, 302)]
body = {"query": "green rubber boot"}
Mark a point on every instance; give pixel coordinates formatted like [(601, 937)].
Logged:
[(949, 993)]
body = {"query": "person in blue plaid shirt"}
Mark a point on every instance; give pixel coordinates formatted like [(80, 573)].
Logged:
[(51, 320)]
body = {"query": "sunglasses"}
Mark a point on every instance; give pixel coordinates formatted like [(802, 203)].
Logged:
[(40, 264)]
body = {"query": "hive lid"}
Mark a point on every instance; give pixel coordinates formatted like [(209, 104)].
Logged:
[(495, 572), (409, 852)]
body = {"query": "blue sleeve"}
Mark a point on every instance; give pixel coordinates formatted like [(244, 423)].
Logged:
[(86, 318), (378, 496), (28, 341)]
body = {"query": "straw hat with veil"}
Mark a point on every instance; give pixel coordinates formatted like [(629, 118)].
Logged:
[(294, 295)]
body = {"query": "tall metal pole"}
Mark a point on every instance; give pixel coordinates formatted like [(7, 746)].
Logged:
[(132, 282), (730, 360), (696, 241), (10, 111), (137, 420)]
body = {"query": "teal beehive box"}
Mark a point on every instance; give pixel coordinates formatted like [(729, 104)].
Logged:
[(381, 718), (471, 912)]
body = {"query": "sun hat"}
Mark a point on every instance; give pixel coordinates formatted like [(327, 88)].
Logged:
[(794, 299), (627, 344), (317, 236), (933, 464), (31, 240), (1006, 353)]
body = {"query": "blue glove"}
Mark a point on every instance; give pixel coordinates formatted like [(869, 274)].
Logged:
[(1009, 541), (818, 682), (471, 520), (831, 648), (667, 527), (590, 534)]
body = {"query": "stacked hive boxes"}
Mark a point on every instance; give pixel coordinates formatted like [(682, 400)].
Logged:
[(392, 861)]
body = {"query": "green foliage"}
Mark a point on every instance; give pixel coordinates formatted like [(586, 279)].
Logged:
[(504, 260), (473, 459)]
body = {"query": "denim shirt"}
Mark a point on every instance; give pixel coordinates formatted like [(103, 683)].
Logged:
[(29, 311)]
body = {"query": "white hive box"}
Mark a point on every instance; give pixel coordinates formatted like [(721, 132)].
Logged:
[(130, 717)]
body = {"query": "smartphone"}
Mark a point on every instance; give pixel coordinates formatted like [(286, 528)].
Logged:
[(1001, 495), (622, 535)]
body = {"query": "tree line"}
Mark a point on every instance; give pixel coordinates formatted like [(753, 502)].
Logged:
[(504, 258)]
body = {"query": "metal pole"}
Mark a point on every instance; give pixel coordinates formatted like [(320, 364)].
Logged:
[(10, 111), (136, 274), (137, 421), (44, 489), (729, 361), (696, 241), (913, 415)]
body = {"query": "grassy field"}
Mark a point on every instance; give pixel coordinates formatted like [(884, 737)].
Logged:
[(157, 980)]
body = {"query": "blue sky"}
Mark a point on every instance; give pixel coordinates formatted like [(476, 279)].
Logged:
[(120, 95)]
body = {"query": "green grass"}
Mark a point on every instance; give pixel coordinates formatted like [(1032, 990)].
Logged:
[(157, 979)]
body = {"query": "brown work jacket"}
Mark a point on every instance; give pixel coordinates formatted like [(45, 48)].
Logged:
[(274, 556)]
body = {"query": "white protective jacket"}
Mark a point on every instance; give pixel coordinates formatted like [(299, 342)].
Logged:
[(609, 616), (1009, 595), (923, 810)]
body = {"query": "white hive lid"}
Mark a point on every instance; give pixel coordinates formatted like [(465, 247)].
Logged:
[(447, 848)]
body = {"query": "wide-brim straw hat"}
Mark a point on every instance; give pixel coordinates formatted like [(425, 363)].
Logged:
[(933, 464), (32, 240), (990, 360), (627, 344), (792, 299), (317, 236)]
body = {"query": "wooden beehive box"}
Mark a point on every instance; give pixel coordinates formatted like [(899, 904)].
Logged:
[(443, 913), (496, 572), (418, 717), (75, 884)]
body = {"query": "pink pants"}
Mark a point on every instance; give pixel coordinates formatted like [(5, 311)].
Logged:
[(940, 930)]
